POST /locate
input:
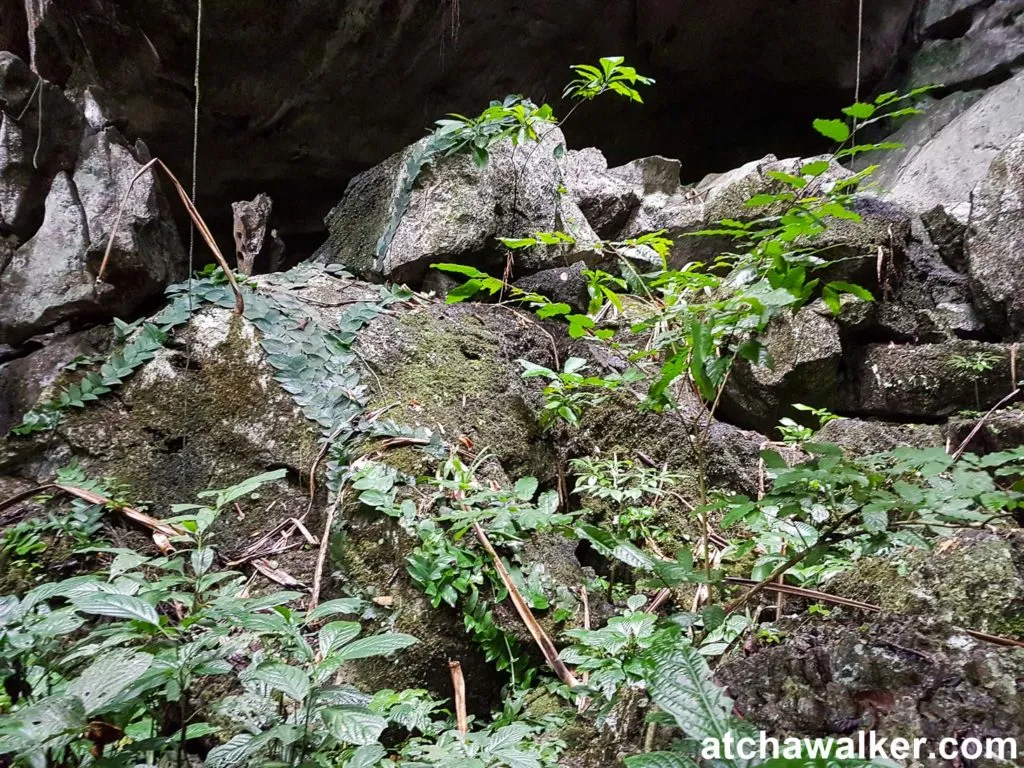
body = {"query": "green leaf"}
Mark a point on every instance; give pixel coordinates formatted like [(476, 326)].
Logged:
[(551, 310), (367, 756), (107, 676), (291, 681), (515, 243), (680, 682), (460, 269), (815, 168), (234, 752), (788, 179), (526, 487), (336, 634), (31, 727), (342, 605), (467, 290), (859, 111), (836, 130), (853, 289), (353, 725), (117, 606), (660, 760), (378, 645)]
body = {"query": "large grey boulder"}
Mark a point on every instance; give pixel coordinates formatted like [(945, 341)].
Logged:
[(391, 226), (40, 130), (926, 381), (954, 151), (51, 278), (968, 42), (606, 199), (806, 351), (995, 244)]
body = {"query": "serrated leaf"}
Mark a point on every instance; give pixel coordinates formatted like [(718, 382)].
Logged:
[(680, 682), (659, 760), (367, 756), (336, 634), (525, 488), (234, 752), (341, 605), (860, 110), (357, 726)]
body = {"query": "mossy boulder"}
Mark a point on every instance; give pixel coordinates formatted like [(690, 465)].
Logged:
[(974, 580)]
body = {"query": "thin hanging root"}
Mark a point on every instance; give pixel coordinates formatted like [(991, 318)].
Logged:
[(162, 532), (196, 219), (536, 630), (459, 684)]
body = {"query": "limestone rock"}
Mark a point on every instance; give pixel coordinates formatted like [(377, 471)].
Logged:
[(455, 212), (604, 198), (364, 78), (969, 42), (858, 437), (995, 246), (34, 147), (564, 285), (925, 381), (806, 351), (893, 676), (944, 168), (52, 277), (973, 580)]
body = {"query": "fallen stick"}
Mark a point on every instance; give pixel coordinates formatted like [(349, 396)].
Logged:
[(162, 532), (314, 598), (536, 630), (459, 684)]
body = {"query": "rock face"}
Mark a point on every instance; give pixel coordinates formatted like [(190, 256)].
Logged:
[(969, 42), (303, 124), (84, 171), (995, 246), (392, 226), (896, 677), (927, 381), (806, 353), (945, 163)]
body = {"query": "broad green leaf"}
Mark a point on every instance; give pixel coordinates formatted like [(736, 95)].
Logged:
[(342, 605), (291, 681), (107, 676), (853, 289), (117, 606), (515, 243), (660, 760), (30, 727), (336, 634), (467, 290), (860, 110), (234, 752), (357, 726), (552, 310), (836, 130), (367, 756), (815, 168), (526, 487), (680, 682), (460, 269), (377, 645)]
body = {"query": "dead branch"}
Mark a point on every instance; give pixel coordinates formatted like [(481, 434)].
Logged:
[(536, 630), (459, 684), (196, 219), (314, 598)]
